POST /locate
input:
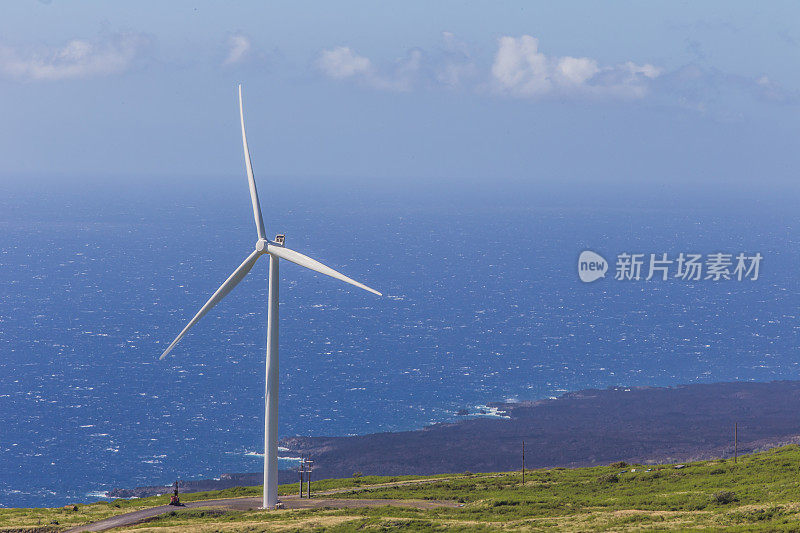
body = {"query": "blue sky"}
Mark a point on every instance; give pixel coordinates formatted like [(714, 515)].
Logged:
[(639, 92)]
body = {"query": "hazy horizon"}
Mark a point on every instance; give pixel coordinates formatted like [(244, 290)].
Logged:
[(645, 94)]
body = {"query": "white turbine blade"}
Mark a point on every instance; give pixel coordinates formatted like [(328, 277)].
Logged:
[(305, 261), (223, 291), (251, 180)]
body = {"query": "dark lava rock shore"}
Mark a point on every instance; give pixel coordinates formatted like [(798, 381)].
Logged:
[(589, 427)]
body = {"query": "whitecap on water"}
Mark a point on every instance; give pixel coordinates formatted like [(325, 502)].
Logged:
[(490, 412)]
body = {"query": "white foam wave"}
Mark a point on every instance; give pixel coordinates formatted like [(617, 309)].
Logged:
[(280, 457), (490, 412)]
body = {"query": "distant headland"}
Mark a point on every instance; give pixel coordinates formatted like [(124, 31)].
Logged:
[(583, 428)]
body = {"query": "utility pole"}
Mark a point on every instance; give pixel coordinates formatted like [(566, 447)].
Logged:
[(308, 476), (735, 441), (302, 459), (523, 462)]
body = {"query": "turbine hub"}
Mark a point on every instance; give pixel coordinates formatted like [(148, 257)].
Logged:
[(261, 245)]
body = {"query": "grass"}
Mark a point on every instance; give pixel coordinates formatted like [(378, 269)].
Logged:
[(759, 493), (355, 483)]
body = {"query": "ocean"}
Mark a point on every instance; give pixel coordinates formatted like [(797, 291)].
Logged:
[(482, 304)]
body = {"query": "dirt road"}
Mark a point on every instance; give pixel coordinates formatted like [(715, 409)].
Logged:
[(245, 504)]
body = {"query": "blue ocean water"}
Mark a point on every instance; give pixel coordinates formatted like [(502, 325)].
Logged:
[(482, 304)]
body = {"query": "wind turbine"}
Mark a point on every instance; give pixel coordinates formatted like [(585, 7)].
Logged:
[(276, 251)]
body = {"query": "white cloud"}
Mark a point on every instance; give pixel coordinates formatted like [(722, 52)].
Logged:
[(341, 62), (76, 59), (449, 67), (576, 71), (404, 74), (646, 70), (521, 70), (454, 67), (238, 48)]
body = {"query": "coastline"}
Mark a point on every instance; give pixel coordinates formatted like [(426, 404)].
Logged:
[(583, 428)]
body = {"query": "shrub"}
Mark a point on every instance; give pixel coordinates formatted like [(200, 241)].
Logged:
[(619, 464), (609, 478), (724, 497), (503, 503)]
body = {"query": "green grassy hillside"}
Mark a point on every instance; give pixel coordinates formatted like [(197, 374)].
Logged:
[(759, 493)]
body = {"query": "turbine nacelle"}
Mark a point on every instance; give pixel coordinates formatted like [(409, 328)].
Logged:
[(262, 245)]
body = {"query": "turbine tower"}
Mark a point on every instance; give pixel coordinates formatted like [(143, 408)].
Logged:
[(276, 251)]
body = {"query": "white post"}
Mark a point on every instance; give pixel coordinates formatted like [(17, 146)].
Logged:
[(271, 394)]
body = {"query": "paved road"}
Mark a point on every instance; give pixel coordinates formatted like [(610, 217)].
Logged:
[(245, 504)]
